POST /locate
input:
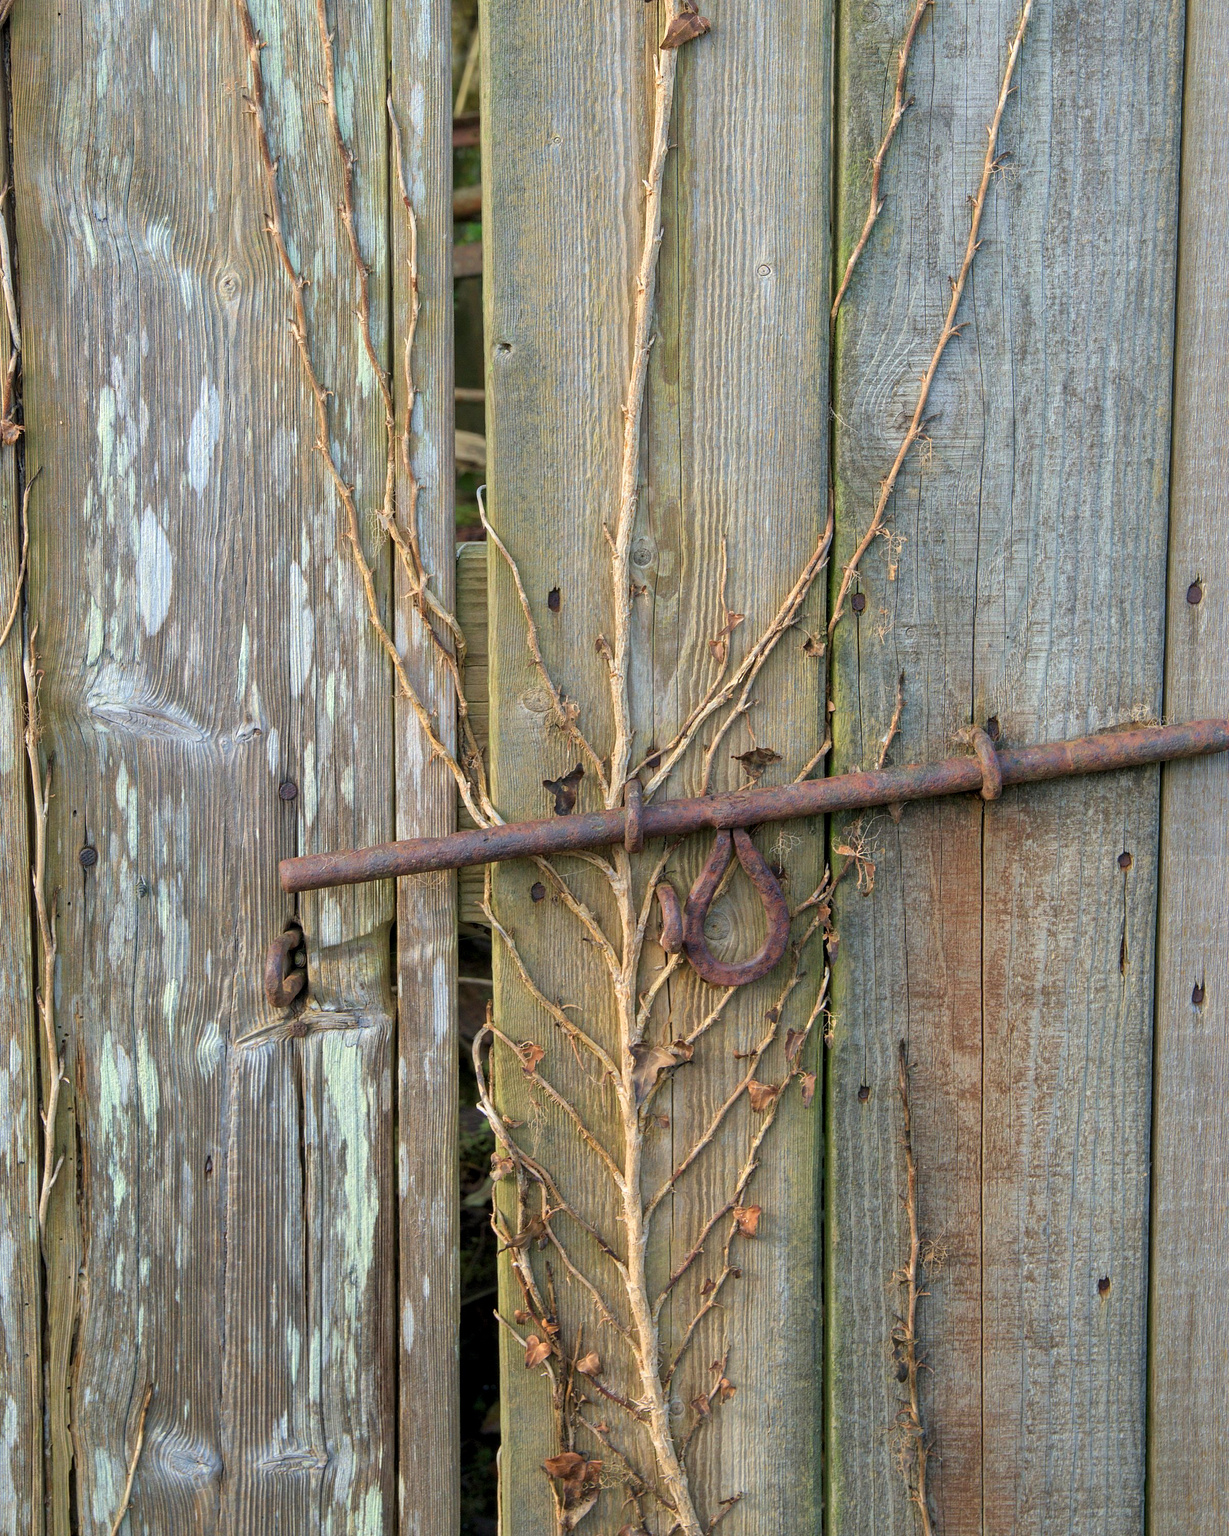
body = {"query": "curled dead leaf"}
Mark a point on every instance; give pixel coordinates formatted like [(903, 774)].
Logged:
[(590, 1364), (652, 1060), (10, 431), (564, 790), (531, 1053), (807, 1079), (684, 28), (564, 1466), (793, 1044), (701, 1405), (536, 1350), (756, 760), (762, 1095), (719, 645), (725, 1390), (747, 1219), (534, 1229), (521, 1316), (501, 1166), (709, 1286)]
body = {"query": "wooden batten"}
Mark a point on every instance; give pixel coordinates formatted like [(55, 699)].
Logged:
[(1188, 1416)]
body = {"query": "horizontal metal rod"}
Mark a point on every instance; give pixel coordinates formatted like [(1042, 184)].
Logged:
[(1126, 748)]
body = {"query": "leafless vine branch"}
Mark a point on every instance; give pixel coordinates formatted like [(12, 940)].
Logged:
[(914, 1440), (45, 902), (900, 105), (126, 1498), (950, 328)]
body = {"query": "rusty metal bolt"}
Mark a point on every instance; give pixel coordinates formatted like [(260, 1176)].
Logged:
[(285, 976)]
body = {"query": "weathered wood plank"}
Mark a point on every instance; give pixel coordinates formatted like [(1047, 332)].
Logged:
[(21, 1390), (427, 1089), (1188, 1424), (1023, 583), (735, 449), (233, 1195)]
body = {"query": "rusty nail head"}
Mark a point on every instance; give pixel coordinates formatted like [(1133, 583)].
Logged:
[(1125, 861), (88, 857), (537, 891), (287, 789), (1194, 593), (858, 602)]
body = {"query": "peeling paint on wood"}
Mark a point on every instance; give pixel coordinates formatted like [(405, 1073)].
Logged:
[(231, 1211)]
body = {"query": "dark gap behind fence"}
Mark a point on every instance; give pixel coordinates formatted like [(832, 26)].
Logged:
[(479, 1352)]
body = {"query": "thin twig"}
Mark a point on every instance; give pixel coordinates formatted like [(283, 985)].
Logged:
[(915, 1454), (45, 917), (474, 797), (899, 107), (563, 711), (19, 585), (950, 329), (893, 725), (633, 414), (132, 1464)]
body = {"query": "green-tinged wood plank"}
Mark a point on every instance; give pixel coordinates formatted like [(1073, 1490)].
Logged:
[(427, 1087), (735, 448), (21, 1312), (1023, 582), (233, 1196), (1188, 1419)]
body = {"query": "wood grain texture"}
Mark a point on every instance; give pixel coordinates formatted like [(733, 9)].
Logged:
[(1188, 1425), (427, 1089), (230, 1214), (1024, 582), (735, 447), (21, 1389)]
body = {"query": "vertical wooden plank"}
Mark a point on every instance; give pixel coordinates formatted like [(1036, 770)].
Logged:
[(735, 448), (1188, 1427), (427, 1089), (21, 1311), (205, 643), (1023, 584)]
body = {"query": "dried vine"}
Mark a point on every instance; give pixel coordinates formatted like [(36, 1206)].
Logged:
[(45, 902), (914, 1445), (586, 1385)]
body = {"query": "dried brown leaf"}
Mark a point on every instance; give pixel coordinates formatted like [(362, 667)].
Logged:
[(793, 1044), (701, 1405), (725, 1390), (807, 1079), (747, 1218), (590, 1364), (762, 1095), (755, 761), (652, 1060), (564, 790), (531, 1053), (684, 29), (536, 1350)]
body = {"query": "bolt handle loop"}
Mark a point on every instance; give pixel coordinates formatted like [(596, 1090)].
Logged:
[(688, 934)]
